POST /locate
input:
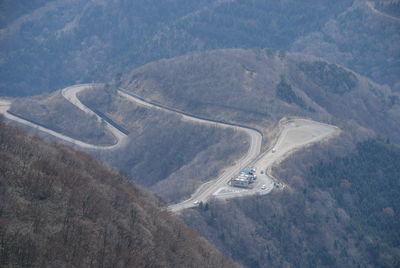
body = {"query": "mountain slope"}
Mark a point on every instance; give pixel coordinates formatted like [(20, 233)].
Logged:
[(172, 168), (259, 87), (252, 87), (62, 208)]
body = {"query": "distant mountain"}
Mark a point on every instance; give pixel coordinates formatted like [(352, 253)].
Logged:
[(48, 45), (363, 39), (62, 208)]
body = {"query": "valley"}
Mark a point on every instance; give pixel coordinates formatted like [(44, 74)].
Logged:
[(200, 133)]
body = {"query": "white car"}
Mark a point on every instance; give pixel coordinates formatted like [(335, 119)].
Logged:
[(263, 187), (273, 150), (196, 202)]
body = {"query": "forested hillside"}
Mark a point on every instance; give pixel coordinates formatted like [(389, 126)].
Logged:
[(62, 208), (59, 43), (343, 213), (48, 46)]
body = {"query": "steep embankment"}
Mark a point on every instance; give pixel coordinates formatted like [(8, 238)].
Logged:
[(61, 118), (59, 207)]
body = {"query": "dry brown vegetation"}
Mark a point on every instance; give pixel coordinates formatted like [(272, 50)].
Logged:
[(56, 113), (164, 153), (170, 156), (62, 208)]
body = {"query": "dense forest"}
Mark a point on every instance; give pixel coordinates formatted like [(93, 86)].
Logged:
[(343, 213), (62, 208), (367, 185)]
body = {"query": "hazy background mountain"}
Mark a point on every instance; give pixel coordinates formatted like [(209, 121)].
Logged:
[(46, 45), (361, 39), (56, 43)]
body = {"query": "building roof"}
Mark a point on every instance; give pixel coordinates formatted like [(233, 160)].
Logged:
[(246, 171)]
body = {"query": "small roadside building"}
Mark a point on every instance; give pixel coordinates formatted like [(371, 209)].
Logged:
[(245, 177), (240, 181)]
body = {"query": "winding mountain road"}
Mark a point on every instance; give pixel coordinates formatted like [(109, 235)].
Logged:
[(69, 93), (295, 134)]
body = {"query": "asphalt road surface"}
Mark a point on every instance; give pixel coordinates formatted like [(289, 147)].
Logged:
[(69, 93)]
